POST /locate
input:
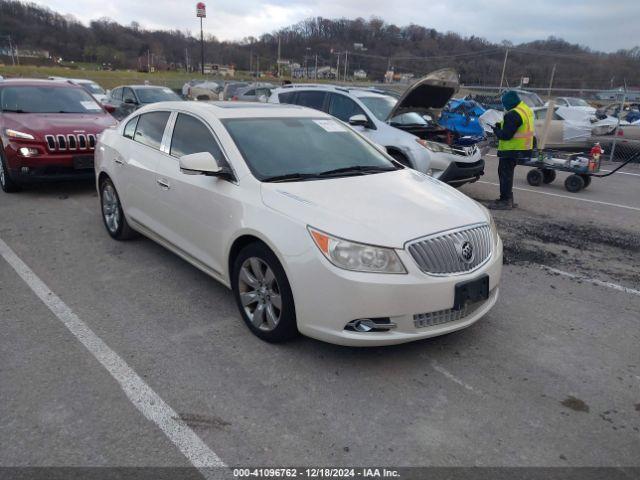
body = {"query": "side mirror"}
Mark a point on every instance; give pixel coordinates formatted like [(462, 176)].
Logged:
[(358, 120), (108, 108), (201, 163)]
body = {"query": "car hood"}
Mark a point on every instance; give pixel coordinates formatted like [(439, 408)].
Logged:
[(53, 123), (429, 93), (386, 209)]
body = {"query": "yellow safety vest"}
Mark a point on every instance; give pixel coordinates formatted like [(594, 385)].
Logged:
[(523, 138)]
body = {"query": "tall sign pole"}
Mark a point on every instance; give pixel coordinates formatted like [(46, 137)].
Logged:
[(201, 12)]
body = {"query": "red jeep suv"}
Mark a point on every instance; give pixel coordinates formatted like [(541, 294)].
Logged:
[(48, 131)]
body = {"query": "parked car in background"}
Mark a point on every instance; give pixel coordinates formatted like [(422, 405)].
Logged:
[(256, 92), (187, 86), (404, 127), (494, 102), (574, 102), (230, 89), (204, 91), (128, 98), (89, 85), (313, 227), (48, 131)]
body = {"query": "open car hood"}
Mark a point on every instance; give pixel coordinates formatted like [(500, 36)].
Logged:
[(429, 93)]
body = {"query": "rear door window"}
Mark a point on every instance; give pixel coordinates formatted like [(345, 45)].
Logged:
[(127, 94), (286, 97), (130, 128), (312, 99), (150, 128)]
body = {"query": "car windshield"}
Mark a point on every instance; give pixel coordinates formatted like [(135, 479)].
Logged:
[(93, 88), (153, 95), (577, 102), (380, 105), (46, 99), (303, 148)]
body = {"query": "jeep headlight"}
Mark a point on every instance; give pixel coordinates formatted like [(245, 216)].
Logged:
[(19, 135), (355, 256), (434, 146)]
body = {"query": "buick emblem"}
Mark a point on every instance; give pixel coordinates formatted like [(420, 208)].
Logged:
[(466, 251)]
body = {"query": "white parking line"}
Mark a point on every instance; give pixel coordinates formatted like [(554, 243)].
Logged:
[(595, 281), (567, 196), (139, 393), (453, 378)]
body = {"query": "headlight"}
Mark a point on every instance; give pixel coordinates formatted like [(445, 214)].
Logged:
[(28, 151), (16, 134), (434, 146), (358, 257)]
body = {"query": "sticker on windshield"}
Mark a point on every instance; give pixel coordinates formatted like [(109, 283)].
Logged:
[(330, 125), (90, 105)]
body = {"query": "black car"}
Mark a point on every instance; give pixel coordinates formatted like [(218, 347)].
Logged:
[(128, 98)]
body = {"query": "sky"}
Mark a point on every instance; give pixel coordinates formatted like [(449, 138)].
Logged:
[(602, 25)]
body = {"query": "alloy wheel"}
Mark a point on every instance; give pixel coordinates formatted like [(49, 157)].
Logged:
[(110, 208), (260, 294)]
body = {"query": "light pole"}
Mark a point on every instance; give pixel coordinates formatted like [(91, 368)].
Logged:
[(201, 12)]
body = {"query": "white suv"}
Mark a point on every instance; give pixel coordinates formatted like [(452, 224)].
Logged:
[(405, 126)]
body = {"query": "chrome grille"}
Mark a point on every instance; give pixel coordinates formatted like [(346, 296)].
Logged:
[(70, 142), (422, 320), (442, 253)]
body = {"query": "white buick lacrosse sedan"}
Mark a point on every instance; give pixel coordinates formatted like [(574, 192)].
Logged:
[(314, 228)]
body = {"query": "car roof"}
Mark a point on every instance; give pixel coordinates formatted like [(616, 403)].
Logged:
[(37, 82), (355, 91), (141, 86), (223, 110)]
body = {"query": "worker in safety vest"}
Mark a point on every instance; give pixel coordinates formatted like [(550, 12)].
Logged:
[(515, 144)]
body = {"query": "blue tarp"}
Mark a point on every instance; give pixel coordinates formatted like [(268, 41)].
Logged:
[(461, 116)]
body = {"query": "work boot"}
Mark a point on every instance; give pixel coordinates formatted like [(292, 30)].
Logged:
[(501, 204)]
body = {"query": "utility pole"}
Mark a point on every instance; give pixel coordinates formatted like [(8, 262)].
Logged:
[(316, 70), (186, 59), (148, 61), (338, 67), (553, 73), (201, 12), (346, 61), (279, 45), (504, 67)]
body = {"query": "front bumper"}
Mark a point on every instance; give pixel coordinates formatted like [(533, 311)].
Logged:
[(327, 298), (47, 167), (459, 173)]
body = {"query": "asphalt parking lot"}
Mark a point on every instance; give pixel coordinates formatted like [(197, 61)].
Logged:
[(550, 377)]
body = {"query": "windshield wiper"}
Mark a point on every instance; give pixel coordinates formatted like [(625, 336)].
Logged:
[(357, 169), (18, 110), (291, 176)]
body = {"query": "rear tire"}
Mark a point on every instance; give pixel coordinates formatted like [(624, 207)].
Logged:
[(7, 184), (586, 179), (263, 294), (534, 177), (574, 183), (112, 214)]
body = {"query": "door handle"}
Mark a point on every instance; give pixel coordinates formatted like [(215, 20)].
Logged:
[(119, 160), (164, 183)]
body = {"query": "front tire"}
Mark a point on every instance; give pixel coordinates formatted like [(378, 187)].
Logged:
[(6, 182), (112, 214), (263, 294), (535, 177)]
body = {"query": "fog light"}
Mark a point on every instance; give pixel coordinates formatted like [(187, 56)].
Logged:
[(370, 325), (28, 151)]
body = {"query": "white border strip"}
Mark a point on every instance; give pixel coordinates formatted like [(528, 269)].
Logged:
[(566, 196), (139, 393), (595, 281)]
